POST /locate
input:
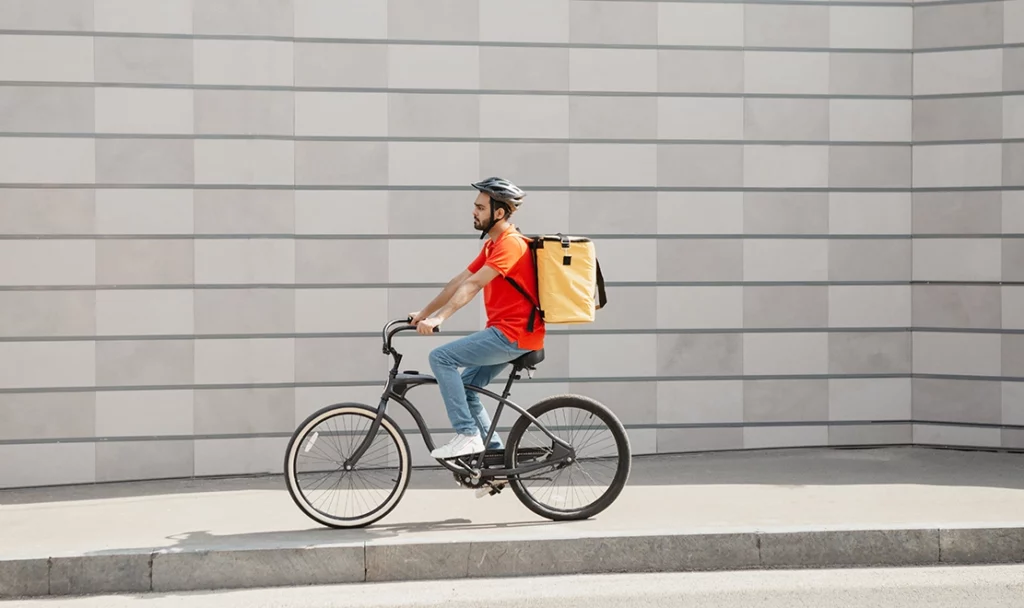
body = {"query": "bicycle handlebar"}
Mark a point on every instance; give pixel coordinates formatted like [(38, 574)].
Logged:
[(387, 333)]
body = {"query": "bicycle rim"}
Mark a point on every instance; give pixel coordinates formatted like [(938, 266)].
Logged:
[(588, 485), (320, 485)]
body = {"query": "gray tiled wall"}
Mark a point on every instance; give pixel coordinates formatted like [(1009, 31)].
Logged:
[(209, 208), (966, 257)]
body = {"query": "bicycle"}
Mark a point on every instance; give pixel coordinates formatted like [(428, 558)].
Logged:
[(384, 469)]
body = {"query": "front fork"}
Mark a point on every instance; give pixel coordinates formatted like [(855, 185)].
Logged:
[(350, 462)]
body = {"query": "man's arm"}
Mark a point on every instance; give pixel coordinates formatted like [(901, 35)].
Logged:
[(443, 297), (463, 294)]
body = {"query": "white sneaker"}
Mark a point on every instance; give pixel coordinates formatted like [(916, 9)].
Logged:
[(460, 445)]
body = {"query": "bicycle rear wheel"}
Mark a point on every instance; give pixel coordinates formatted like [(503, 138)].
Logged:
[(315, 473), (577, 490)]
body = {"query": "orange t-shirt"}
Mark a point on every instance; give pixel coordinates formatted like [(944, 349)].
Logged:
[(507, 309)]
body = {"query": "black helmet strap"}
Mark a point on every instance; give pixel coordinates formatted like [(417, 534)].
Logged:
[(490, 223)]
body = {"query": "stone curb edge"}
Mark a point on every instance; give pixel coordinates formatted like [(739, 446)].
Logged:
[(163, 571)]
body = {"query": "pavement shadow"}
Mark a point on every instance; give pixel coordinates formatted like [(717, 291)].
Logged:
[(326, 536), (320, 536), (780, 467)]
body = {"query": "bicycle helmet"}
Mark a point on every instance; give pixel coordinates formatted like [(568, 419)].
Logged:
[(502, 192)]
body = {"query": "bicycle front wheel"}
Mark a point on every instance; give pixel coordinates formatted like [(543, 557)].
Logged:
[(584, 487), (315, 467)]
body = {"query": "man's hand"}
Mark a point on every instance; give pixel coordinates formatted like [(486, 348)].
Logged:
[(416, 317), (426, 326)]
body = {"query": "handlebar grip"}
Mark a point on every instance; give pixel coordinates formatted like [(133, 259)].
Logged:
[(409, 320)]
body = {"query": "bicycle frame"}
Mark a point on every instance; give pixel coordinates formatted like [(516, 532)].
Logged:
[(398, 385)]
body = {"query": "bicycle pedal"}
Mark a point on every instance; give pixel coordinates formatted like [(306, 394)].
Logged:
[(483, 491)]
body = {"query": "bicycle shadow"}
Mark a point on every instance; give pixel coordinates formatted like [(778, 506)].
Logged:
[(314, 536), (329, 537)]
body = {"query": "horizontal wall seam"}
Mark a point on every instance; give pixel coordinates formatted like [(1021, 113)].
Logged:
[(452, 91), (970, 47), (379, 382), (966, 142), (288, 286), (537, 380), (969, 95), (414, 432), (481, 140), (976, 378), (551, 333), (521, 44), (398, 236), (458, 188), (966, 330), (432, 188), (500, 380), (517, 92), (453, 43), (873, 3), (292, 286), (508, 140), (976, 283), (1007, 188)]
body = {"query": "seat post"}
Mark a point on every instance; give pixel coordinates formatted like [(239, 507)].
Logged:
[(508, 385)]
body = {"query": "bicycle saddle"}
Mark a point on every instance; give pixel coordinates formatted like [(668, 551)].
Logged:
[(529, 360)]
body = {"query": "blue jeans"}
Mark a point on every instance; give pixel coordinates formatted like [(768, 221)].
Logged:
[(484, 354)]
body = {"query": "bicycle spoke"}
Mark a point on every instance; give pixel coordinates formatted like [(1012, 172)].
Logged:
[(320, 481)]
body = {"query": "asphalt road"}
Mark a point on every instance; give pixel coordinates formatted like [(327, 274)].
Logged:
[(970, 587)]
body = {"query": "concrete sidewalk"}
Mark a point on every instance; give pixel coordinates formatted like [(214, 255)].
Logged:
[(789, 508)]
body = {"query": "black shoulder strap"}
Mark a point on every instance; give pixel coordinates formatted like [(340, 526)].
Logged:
[(602, 297), (536, 306)]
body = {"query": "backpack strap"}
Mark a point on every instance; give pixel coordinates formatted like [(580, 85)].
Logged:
[(602, 297), (533, 313), (531, 246)]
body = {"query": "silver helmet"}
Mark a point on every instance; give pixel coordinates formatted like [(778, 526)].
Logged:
[(502, 190)]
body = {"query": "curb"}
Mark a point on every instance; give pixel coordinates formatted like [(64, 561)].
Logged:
[(168, 570)]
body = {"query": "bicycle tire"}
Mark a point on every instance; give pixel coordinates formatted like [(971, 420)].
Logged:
[(387, 425), (622, 445)]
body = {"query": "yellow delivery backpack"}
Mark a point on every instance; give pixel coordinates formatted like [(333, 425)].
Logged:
[(570, 285)]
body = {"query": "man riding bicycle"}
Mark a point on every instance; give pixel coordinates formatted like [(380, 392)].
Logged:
[(507, 336), (544, 447)]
